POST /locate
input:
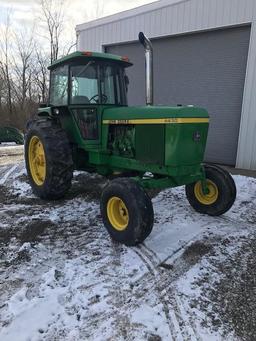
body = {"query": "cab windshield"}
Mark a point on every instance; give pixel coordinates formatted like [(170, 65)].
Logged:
[(97, 83), (91, 83)]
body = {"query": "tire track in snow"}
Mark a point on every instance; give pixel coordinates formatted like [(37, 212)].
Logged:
[(240, 221), (7, 174), (153, 257), (188, 318), (119, 296), (180, 328), (184, 319), (3, 169), (179, 321), (156, 278), (152, 254)]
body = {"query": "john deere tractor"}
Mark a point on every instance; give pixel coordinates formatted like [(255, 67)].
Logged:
[(11, 134), (88, 126)]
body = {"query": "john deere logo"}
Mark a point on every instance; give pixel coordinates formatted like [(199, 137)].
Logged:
[(196, 136)]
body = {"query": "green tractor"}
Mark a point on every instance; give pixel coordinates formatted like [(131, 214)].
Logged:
[(88, 126), (11, 134)]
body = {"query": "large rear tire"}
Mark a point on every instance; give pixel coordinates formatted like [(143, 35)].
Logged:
[(127, 211), (221, 192), (48, 159)]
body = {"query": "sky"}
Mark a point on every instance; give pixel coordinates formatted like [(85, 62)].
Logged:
[(26, 16), (78, 11)]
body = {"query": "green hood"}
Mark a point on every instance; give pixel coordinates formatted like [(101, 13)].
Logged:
[(149, 112)]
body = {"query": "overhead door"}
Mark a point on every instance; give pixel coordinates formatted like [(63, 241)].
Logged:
[(205, 69)]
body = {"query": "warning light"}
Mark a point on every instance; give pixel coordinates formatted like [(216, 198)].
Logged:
[(87, 53), (125, 59)]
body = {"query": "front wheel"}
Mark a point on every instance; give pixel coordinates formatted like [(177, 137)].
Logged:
[(126, 211), (221, 192)]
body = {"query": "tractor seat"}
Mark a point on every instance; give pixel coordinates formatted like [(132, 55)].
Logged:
[(80, 100)]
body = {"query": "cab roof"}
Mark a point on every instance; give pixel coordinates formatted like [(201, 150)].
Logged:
[(87, 55)]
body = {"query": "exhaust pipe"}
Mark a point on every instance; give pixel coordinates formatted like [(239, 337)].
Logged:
[(148, 66)]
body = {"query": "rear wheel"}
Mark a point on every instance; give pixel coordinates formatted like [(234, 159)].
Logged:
[(221, 192), (127, 211), (48, 159)]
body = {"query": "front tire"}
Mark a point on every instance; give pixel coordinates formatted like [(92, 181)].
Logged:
[(48, 159), (221, 192), (127, 211)]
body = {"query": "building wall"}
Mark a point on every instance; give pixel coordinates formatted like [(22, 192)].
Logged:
[(206, 69), (165, 18)]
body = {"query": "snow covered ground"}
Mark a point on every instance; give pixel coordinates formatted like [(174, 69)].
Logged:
[(63, 278)]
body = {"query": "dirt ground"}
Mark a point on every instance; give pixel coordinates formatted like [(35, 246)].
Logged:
[(10, 153), (63, 278)]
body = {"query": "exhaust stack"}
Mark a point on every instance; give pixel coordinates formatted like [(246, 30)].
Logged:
[(148, 66)]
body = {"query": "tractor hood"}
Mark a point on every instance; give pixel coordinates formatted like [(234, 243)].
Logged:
[(170, 136), (153, 113)]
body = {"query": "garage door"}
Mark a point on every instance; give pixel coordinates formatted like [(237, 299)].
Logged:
[(205, 69)]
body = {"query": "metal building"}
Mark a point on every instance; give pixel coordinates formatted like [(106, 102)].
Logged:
[(204, 54)]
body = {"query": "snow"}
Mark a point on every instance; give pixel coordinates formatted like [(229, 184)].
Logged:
[(74, 283), (5, 177), (154, 319), (35, 314)]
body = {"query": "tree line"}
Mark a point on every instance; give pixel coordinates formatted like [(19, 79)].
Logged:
[(24, 61)]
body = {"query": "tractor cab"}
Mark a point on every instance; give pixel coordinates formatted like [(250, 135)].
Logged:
[(83, 84)]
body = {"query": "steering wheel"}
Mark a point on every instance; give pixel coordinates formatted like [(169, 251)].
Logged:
[(96, 98)]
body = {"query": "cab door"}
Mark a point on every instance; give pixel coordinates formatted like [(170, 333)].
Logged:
[(83, 101)]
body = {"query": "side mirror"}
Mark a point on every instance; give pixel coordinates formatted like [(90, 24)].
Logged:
[(126, 80)]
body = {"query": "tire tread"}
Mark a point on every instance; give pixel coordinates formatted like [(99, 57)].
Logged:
[(59, 161)]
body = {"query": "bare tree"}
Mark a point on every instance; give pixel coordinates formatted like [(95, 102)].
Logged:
[(40, 75), (22, 65), (6, 37), (2, 86), (53, 12)]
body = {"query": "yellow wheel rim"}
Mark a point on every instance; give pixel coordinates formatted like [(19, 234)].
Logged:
[(117, 213), (206, 199), (37, 163)]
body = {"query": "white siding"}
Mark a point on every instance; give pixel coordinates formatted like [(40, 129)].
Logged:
[(178, 17)]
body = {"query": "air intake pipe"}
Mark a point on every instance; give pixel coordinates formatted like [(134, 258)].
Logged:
[(148, 66)]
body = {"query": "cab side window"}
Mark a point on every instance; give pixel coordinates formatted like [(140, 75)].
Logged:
[(59, 86)]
